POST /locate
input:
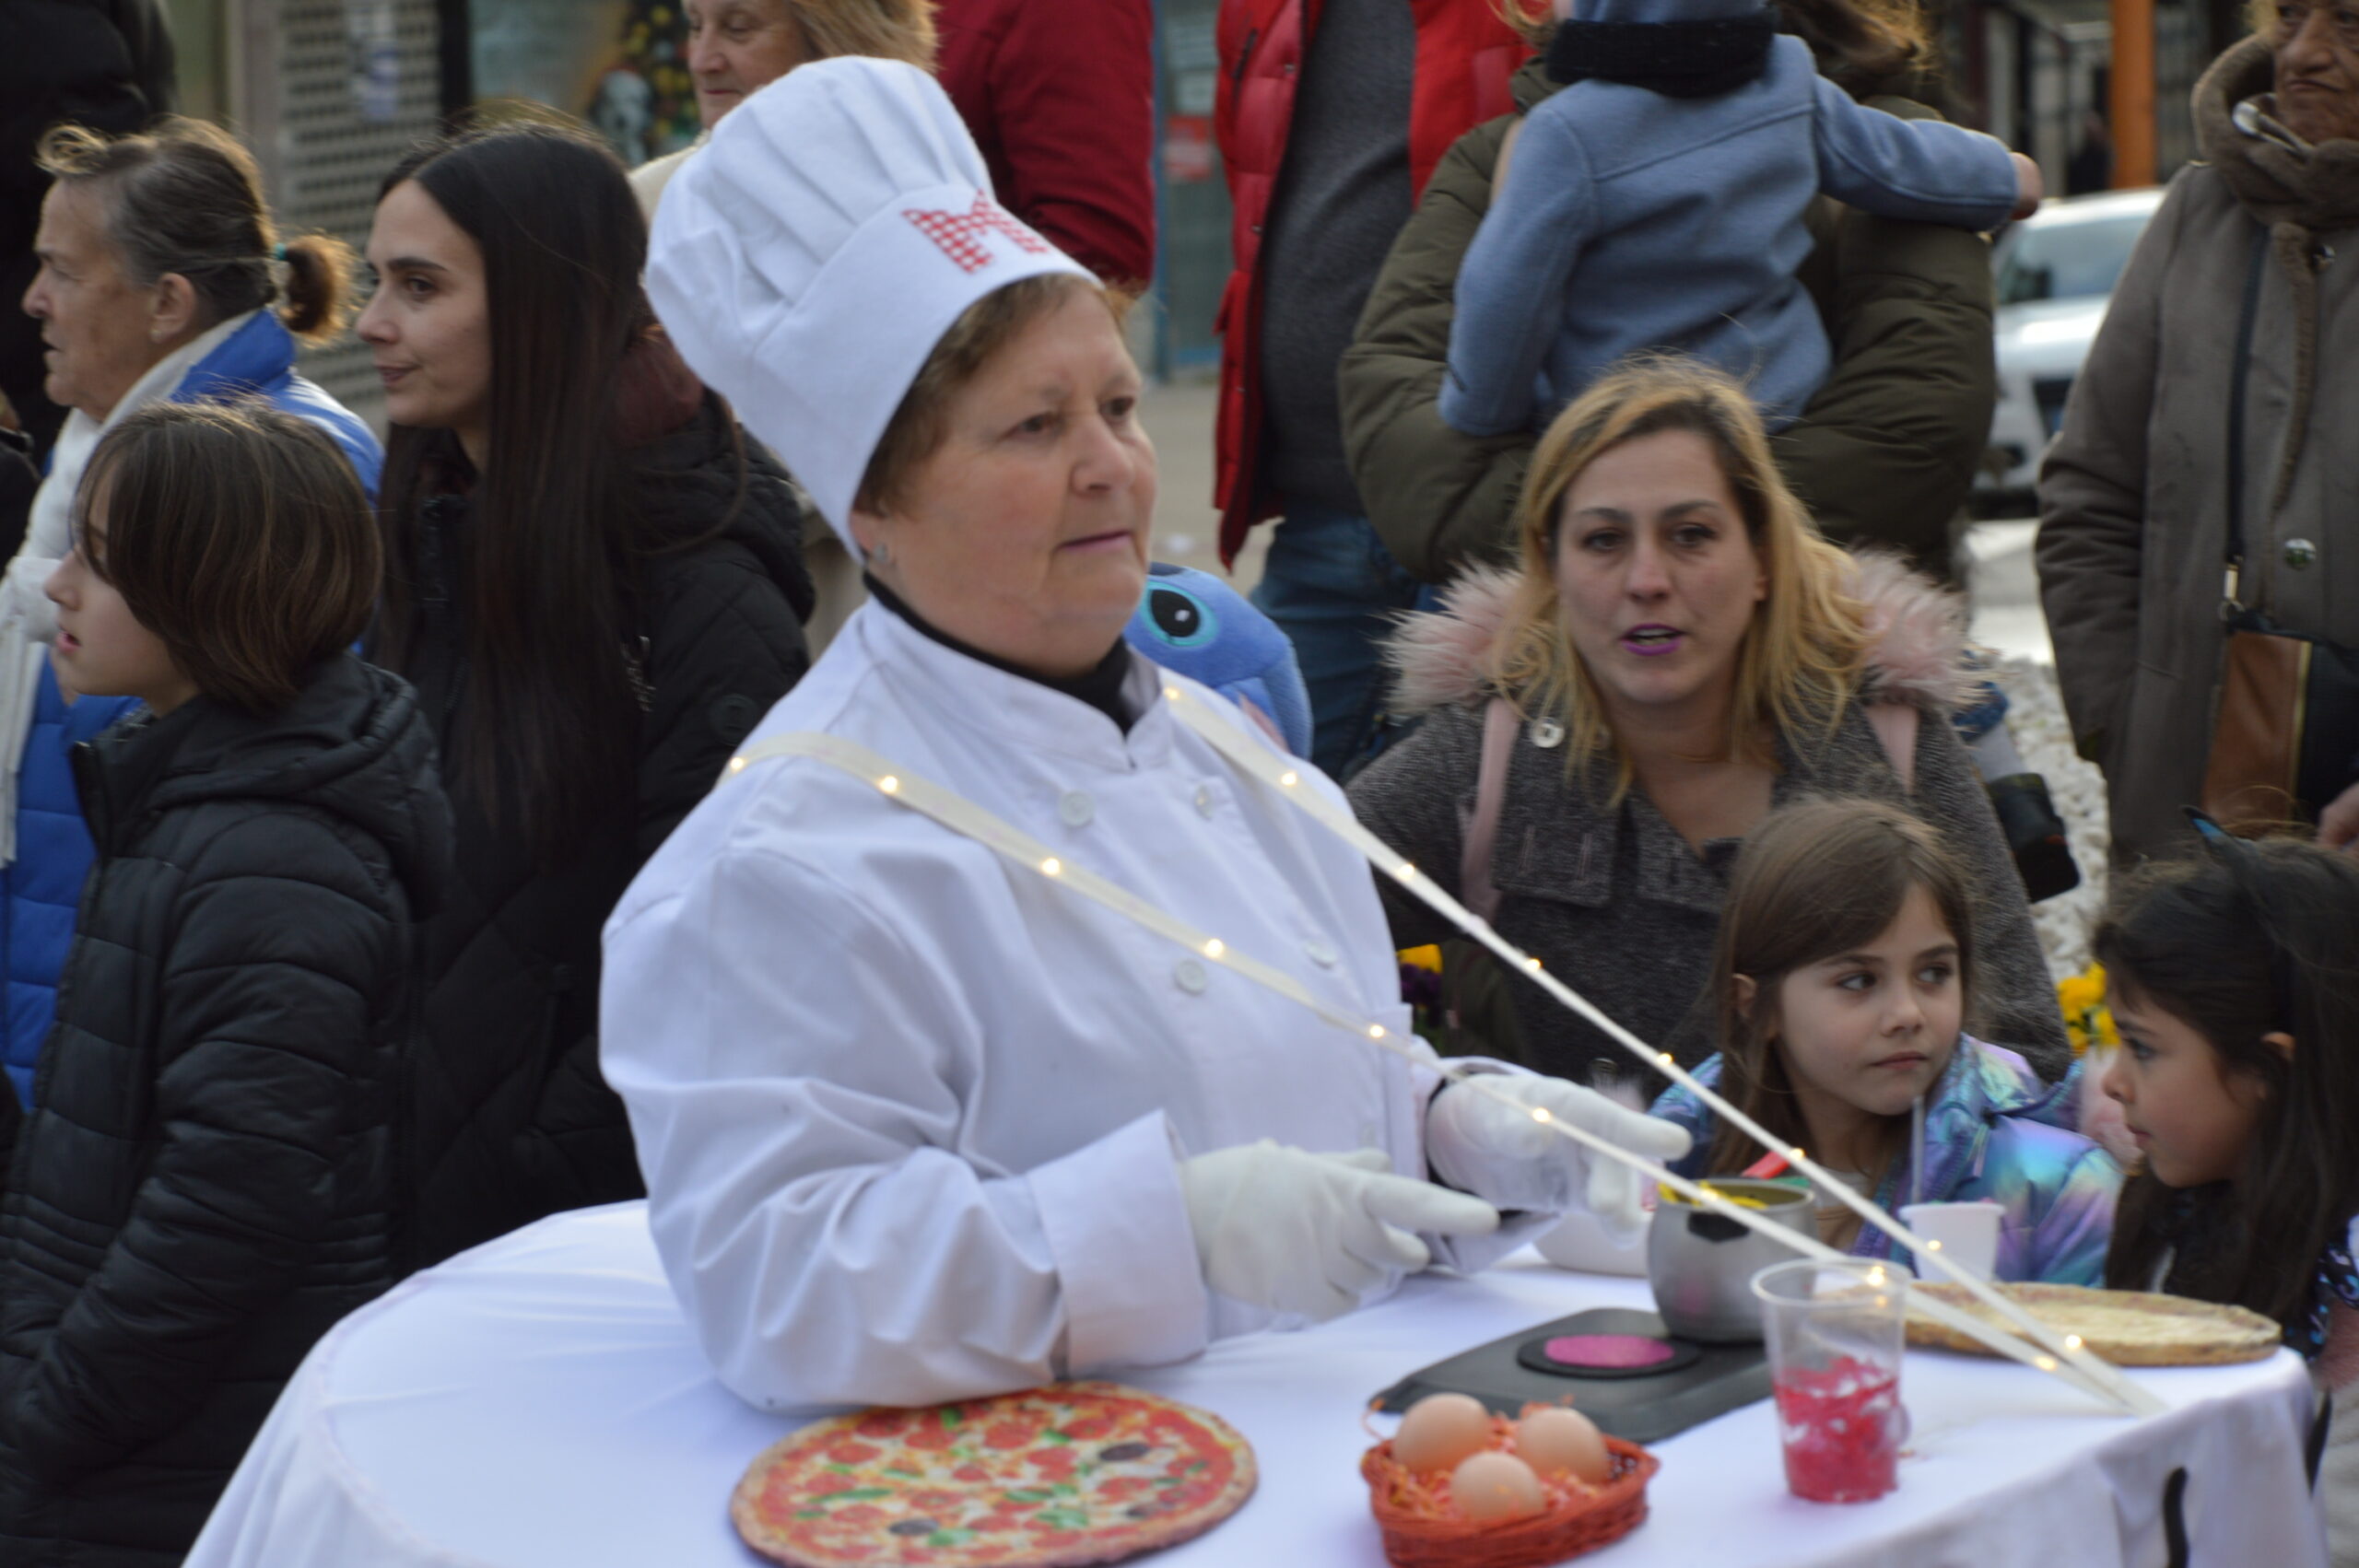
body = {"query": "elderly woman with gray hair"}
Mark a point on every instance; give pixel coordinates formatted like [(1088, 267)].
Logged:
[(2210, 428), (999, 1017), (162, 280)]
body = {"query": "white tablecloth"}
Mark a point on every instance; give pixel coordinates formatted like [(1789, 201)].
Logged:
[(538, 1403)]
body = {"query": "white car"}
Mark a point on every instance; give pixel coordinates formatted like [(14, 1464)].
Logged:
[(2056, 275)]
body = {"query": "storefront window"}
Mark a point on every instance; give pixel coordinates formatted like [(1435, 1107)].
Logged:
[(620, 64)]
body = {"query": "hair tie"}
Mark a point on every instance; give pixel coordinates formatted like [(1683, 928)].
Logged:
[(278, 252)]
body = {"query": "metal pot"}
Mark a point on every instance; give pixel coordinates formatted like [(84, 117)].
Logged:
[(1701, 1263)]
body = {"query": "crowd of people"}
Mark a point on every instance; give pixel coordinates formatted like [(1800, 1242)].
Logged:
[(406, 842)]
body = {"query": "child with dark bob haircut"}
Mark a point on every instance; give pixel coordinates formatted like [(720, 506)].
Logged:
[(203, 1182)]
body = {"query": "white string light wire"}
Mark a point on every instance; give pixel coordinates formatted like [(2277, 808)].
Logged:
[(1257, 760), (963, 816)]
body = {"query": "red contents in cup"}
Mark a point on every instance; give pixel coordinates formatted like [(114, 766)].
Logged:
[(1842, 1427)]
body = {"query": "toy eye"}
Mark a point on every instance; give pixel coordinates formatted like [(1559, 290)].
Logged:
[(1182, 619)]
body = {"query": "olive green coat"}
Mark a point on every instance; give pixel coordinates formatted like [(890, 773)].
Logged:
[(1885, 454)]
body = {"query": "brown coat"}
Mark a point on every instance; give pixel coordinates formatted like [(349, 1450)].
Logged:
[(2133, 497)]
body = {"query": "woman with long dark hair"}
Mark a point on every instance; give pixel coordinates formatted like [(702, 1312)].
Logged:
[(595, 582)]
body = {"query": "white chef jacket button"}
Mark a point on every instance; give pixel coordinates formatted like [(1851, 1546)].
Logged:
[(1190, 977), (1075, 810), (1320, 953), (1204, 799)]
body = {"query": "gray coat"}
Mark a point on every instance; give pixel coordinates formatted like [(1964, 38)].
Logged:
[(2133, 499), (1621, 907)]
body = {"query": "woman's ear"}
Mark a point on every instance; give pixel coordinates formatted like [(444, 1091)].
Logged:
[(2281, 1042), (1747, 990), (174, 310)]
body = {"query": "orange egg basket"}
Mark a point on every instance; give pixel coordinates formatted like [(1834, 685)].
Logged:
[(1422, 1530)]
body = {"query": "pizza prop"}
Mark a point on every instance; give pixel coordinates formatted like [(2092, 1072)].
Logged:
[(2127, 1328), (1050, 1478)]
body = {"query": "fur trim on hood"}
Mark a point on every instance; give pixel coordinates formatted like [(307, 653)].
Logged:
[(1917, 646)]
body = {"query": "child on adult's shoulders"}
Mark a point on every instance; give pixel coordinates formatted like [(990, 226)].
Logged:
[(1842, 980), (1657, 201)]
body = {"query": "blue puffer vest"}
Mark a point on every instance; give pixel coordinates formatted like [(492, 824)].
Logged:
[(40, 888)]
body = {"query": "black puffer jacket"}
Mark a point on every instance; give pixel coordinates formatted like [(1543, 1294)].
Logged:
[(207, 1183), (513, 1121)]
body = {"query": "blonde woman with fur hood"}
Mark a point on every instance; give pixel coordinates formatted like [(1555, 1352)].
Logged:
[(1679, 653)]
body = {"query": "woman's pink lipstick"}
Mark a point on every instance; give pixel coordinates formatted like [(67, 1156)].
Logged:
[(1653, 641)]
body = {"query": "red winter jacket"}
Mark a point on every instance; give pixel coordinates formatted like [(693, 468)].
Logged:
[(1059, 95), (1465, 55)]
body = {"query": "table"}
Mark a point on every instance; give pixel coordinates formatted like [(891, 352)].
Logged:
[(540, 1403)]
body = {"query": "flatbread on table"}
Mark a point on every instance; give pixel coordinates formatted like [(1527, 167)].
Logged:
[(1057, 1477), (2126, 1327)]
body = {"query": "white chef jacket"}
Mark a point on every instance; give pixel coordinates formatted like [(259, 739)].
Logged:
[(909, 1113)]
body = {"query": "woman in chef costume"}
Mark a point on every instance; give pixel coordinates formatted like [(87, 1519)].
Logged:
[(919, 1120)]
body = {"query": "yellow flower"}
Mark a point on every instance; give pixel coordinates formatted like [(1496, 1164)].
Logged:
[(1426, 958)]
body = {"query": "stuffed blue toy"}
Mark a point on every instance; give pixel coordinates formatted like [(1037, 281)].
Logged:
[(1193, 623)]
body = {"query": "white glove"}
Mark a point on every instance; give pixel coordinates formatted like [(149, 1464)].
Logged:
[(1295, 1232), (1503, 1155)]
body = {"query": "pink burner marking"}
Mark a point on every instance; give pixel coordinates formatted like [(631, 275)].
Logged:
[(1617, 1350)]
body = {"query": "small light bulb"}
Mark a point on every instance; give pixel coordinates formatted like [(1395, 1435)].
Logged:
[(889, 784), (1215, 948), (1375, 1031), (1406, 871), (1796, 1154), (1172, 693), (736, 765), (2071, 1341), (1540, 1113), (1052, 867), (1932, 1246), (1289, 778), (1875, 1276), (1532, 963), (2045, 1364), (1665, 1058)]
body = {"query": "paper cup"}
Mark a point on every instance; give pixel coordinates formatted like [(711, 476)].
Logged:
[(1968, 1233)]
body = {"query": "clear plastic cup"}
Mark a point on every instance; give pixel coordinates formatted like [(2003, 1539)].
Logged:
[(1836, 1332)]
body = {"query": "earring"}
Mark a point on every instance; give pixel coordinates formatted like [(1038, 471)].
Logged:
[(882, 556)]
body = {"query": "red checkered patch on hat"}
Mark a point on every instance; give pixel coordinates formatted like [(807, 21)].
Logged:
[(962, 236)]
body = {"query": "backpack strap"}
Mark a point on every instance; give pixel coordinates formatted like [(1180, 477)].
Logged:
[(1896, 727), (1475, 889)]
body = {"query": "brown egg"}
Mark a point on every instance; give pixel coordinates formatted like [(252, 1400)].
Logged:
[(1439, 1429), (1555, 1441), (1491, 1486)]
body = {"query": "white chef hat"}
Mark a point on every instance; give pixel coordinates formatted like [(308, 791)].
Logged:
[(807, 260)]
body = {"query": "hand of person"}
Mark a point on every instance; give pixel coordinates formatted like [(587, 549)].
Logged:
[(2030, 188), (1292, 1231), (2338, 824), (1500, 1150)]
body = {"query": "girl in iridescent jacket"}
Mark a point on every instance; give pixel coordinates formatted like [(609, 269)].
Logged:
[(1841, 979)]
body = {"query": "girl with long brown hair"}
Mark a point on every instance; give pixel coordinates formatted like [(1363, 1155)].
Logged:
[(595, 582), (1845, 959)]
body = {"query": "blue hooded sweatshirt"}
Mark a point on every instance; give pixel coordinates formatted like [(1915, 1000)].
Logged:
[(40, 888), (1992, 1130), (1630, 219)]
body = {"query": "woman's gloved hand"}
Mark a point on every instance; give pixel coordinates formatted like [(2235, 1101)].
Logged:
[(1497, 1150), (1295, 1232)]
